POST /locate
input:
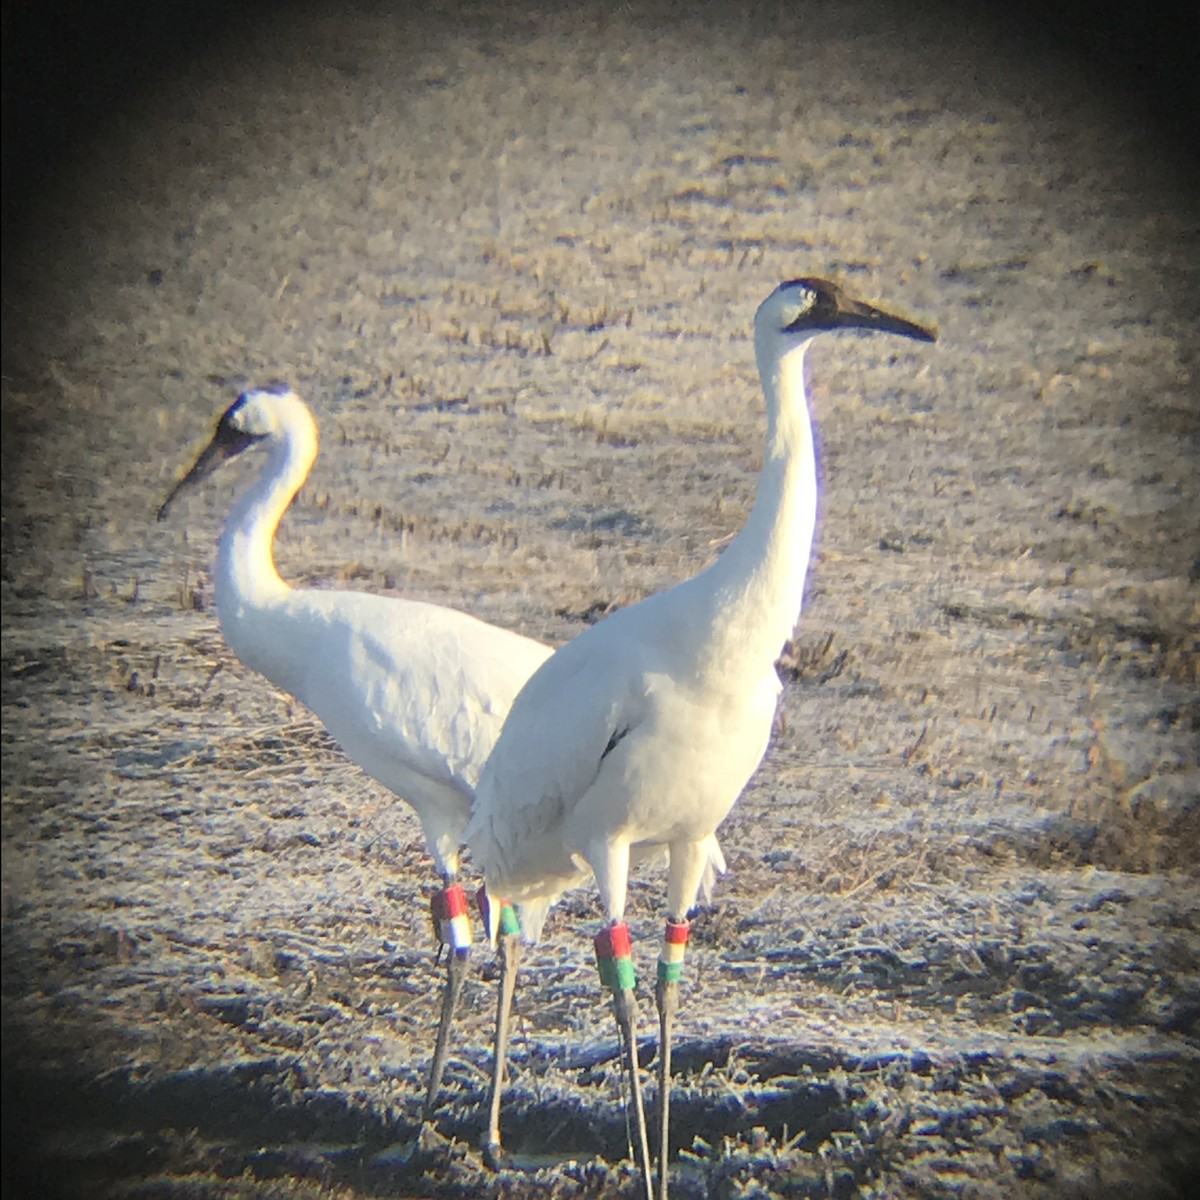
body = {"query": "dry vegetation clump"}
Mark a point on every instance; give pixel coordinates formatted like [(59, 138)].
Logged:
[(1115, 832)]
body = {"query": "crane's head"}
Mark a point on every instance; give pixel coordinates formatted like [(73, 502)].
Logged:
[(798, 310), (258, 414)]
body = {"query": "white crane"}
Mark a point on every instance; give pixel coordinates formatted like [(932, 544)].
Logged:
[(641, 733), (414, 693)]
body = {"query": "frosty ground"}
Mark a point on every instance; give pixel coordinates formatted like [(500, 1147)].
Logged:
[(511, 258)]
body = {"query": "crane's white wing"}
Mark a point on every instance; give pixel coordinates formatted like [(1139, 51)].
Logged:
[(575, 709), (414, 692)]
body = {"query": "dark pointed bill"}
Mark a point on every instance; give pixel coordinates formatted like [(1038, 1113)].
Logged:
[(855, 314), (227, 443)]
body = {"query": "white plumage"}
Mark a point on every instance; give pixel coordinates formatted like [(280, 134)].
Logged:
[(641, 733), (414, 693)]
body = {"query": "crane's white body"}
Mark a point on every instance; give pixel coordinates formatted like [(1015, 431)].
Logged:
[(641, 733), (414, 693)]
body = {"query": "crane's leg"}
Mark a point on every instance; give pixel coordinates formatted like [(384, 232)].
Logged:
[(666, 993), (509, 940), (692, 863), (453, 927), (614, 960)]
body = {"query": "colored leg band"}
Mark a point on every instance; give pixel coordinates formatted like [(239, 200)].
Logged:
[(508, 918), (509, 921), (614, 958), (674, 946), (449, 908)]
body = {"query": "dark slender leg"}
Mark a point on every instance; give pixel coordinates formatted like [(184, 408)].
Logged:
[(614, 958), (666, 993), (457, 962), (510, 957), (449, 908)]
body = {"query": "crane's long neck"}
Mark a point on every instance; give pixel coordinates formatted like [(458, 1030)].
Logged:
[(760, 577), (246, 577)]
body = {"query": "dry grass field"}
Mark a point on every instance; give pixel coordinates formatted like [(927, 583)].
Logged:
[(511, 257)]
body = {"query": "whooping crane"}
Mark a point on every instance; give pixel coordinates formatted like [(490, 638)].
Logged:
[(642, 731), (414, 693)]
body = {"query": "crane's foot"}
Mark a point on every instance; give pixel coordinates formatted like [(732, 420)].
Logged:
[(495, 1157)]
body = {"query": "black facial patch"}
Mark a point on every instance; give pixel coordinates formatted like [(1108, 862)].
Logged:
[(822, 312), (228, 437)]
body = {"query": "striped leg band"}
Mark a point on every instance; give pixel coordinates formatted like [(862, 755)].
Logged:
[(674, 946), (449, 908)]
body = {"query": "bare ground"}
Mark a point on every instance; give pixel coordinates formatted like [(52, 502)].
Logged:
[(512, 260)]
